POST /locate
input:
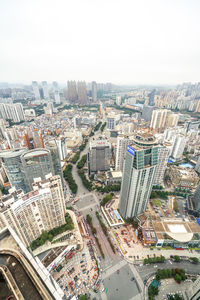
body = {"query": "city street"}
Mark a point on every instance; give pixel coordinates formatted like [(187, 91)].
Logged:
[(147, 270)]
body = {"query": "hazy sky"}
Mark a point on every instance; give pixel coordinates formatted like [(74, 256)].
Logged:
[(122, 41)]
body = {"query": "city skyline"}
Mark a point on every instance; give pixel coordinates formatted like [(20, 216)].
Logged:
[(147, 42)]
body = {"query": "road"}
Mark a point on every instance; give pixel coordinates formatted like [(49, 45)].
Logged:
[(146, 271)]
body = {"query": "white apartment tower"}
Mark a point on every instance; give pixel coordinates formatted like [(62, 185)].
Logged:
[(40, 210), (178, 147), (138, 175), (163, 118), (122, 143), (163, 155)]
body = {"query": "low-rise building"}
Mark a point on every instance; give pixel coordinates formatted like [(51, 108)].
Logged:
[(183, 177)]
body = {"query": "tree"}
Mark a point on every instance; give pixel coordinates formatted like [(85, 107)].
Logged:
[(178, 278), (195, 260), (177, 258)]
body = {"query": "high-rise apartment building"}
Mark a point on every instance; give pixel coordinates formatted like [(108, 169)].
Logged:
[(72, 91), (99, 156), (36, 163), (36, 90), (118, 100), (82, 92), (163, 155), (62, 147), (40, 210), (13, 112), (94, 91), (163, 118), (179, 143), (138, 175), (122, 143), (45, 90)]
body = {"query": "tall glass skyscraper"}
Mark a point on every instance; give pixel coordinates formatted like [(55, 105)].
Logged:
[(36, 163), (13, 167), (138, 174)]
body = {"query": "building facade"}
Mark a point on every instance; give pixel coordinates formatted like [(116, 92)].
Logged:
[(138, 175), (99, 156), (122, 143), (163, 155), (40, 210), (36, 163)]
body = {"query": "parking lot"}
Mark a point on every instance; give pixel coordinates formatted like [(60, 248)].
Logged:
[(76, 275), (170, 287)]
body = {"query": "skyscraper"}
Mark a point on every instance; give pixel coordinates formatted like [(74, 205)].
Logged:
[(138, 174), (82, 92), (163, 155), (94, 91), (45, 89), (99, 156), (13, 112), (72, 91), (41, 209), (36, 163), (36, 90), (13, 166), (163, 118), (57, 97), (51, 145), (122, 143)]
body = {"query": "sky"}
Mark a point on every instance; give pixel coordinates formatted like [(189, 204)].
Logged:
[(118, 41)]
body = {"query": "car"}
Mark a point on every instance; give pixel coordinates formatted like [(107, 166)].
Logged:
[(132, 278)]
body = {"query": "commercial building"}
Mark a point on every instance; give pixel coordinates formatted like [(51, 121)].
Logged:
[(40, 210), (122, 143), (36, 163), (99, 156), (138, 174), (94, 91), (51, 145), (12, 164), (62, 148), (163, 155)]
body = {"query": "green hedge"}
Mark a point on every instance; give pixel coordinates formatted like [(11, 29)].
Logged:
[(105, 231), (159, 259), (85, 182), (49, 235), (67, 173), (94, 231), (76, 157), (82, 162)]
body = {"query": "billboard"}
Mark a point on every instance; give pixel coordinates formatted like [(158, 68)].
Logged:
[(131, 150)]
